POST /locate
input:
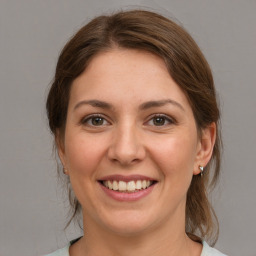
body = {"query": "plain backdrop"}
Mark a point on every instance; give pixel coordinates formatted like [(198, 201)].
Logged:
[(32, 33)]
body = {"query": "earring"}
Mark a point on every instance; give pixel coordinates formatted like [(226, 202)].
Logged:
[(201, 169), (65, 171)]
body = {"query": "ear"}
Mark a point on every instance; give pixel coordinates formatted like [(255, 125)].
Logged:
[(59, 141), (205, 147)]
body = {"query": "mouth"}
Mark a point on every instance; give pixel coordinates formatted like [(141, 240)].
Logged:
[(127, 188), (131, 186)]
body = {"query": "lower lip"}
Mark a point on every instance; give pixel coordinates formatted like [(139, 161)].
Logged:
[(124, 197)]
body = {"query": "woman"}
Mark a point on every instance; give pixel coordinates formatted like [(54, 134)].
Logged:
[(135, 119)]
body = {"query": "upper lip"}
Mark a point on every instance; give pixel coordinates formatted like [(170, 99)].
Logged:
[(125, 178)]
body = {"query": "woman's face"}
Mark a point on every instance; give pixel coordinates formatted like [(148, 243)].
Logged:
[(131, 144)]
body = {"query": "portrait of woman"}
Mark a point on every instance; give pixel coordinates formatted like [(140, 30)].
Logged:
[(134, 114), (127, 128)]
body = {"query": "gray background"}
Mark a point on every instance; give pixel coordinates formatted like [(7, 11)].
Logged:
[(32, 32)]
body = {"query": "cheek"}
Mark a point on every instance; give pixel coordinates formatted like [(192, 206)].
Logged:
[(83, 153), (175, 156)]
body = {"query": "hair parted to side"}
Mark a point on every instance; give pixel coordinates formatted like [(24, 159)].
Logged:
[(151, 32)]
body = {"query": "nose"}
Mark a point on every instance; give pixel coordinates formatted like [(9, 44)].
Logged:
[(126, 147)]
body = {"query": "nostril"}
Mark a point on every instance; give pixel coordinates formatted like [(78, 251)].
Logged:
[(126, 149)]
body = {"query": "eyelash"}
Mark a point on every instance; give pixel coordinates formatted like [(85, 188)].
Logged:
[(85, 120), (170, 121), (166, 118)]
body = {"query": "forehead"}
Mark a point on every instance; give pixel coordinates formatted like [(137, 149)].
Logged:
[(127, 75)]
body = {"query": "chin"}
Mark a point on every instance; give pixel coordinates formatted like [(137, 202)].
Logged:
[(128, 223), (129, 230)]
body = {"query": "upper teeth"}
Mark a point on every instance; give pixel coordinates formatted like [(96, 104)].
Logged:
[(127, 186)]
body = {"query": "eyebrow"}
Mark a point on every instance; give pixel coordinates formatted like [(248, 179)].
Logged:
[(160, 103), (94, 103), (143, 106)]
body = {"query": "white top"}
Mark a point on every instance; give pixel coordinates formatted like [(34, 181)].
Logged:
[(207, 251)]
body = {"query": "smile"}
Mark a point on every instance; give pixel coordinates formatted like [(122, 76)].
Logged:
[(127, 187)]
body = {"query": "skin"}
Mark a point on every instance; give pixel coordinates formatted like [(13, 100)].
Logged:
[(127, 140)]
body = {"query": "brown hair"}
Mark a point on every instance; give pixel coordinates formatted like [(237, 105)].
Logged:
[(148, 31)]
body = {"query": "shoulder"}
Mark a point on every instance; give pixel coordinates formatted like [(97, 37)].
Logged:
[(64, 251), (61, 252), (209, 251)]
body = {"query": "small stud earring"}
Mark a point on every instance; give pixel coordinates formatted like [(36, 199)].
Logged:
[(65, 171), (201, 169)]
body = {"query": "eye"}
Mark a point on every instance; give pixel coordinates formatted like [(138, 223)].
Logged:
[(160, 120), (95, 120)]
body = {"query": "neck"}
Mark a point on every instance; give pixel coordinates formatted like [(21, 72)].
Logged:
[(166, 240)]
